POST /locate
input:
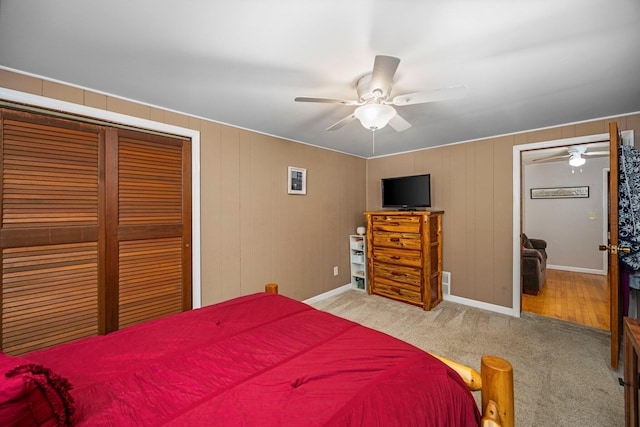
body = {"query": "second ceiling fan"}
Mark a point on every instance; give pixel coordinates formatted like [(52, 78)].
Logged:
[(576, 154), (375, 107)]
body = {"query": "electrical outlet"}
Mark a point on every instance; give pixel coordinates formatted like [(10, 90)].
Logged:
[(335, 270)]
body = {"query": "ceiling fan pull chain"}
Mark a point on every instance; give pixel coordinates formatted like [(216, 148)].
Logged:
[(373, 138)]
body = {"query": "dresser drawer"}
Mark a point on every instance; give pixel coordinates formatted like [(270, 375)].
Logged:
[(396, 223), (397, 240), (391, 289), (398, 273), (411, 258)]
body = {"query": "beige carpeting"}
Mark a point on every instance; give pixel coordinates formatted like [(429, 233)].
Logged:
[(561, 370)]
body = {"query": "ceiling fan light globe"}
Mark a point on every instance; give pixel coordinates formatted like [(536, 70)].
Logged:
[(576, 161), (374, 116)]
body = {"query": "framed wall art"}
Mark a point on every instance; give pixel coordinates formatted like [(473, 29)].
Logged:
[(560, 192), (297, 181)]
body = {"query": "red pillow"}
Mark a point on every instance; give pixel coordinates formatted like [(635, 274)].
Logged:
[(31, 395)]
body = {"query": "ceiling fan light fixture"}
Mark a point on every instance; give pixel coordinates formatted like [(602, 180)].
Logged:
[(374, 116), (576, 160)]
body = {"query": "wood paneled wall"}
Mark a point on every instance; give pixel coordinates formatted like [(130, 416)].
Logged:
[(473, 183), (252, 231)]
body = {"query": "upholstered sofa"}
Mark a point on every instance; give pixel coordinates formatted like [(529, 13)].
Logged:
[(534, 264)]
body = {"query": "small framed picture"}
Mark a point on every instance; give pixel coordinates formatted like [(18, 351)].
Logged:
[(297, 181)]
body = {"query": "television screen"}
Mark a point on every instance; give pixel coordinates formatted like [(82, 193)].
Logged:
[(407, 192)]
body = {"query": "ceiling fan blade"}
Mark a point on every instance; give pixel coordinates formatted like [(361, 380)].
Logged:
[(596, 153), (546, 159), (340, 123), (453, 92), (398, 123), (328, 100), (384, 68)]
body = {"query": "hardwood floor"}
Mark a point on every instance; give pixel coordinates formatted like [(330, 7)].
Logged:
[(574, 297)]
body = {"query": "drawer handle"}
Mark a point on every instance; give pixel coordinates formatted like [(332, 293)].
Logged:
[(395, 257), (395, 273), (396, 290), (395, 239)]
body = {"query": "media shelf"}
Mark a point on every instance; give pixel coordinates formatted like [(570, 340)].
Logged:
[(358, 258)]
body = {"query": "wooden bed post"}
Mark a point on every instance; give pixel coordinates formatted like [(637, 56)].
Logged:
[(272, 288), (497, 391)]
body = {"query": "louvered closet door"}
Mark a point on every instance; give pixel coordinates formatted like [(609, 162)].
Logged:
[(149, 226), (50, 228)]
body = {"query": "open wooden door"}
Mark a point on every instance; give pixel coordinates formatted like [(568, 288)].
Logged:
[(613, 276)]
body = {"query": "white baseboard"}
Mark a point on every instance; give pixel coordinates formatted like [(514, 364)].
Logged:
[(577, 269), (483, 305), (328, 294), (465, 301)]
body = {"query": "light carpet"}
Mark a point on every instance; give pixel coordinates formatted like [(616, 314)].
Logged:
[(562, 375)]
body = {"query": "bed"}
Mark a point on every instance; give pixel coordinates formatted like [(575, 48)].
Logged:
[(257, 360)]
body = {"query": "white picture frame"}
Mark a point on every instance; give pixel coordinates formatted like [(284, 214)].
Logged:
[(296, 180)]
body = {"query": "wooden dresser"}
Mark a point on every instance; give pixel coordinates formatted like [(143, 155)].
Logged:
[(405, 256)]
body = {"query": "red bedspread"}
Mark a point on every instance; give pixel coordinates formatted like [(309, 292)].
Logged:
[(259, 360)]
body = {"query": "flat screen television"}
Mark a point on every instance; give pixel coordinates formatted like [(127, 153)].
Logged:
[(407, 192)]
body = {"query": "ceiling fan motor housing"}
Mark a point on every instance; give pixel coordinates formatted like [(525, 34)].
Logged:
[(366, 93)]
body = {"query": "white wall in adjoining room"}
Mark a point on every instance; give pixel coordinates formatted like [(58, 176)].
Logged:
[(572, 227)]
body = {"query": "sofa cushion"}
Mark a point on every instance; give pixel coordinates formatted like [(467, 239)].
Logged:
[(533, 253), (526, 242), (538, 243)]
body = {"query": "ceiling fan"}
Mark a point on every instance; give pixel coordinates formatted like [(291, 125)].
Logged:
[(375, 107), (576, 155)]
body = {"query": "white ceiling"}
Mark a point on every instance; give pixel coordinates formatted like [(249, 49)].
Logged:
[(527, 63)]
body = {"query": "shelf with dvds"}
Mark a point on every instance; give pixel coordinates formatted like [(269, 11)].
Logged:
[(358, 260)]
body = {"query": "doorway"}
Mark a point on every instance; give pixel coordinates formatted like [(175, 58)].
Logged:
[(557, 147), (575, 285)]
